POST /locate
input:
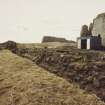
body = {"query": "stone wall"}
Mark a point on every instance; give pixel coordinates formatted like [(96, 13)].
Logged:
[(99, 26)]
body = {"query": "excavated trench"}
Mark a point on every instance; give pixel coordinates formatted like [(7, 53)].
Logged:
[(86, 68)]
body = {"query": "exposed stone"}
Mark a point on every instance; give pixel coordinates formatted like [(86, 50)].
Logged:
[(72, 67), (99, 27), (84, 31), (90, 28), (96, 83)]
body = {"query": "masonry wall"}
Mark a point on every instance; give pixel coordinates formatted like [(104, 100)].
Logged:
[(99, 27)]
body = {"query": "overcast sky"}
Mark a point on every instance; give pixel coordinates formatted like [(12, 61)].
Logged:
[(29, 20)]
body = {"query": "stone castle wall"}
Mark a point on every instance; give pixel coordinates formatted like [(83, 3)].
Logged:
[(99, 27)]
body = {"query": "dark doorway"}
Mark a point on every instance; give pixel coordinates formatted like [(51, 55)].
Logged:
[(83, 44)]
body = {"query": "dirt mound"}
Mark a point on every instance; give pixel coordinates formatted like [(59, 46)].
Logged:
[(24, 83)]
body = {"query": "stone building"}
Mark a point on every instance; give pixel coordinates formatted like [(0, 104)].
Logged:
[(99, 27), (89, 42)]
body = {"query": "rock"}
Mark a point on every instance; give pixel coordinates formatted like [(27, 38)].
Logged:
[(99, 27), (96, 83), (84, 31), (90, 28)]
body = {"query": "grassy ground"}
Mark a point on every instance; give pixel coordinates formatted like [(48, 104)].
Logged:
[(24, 83), (48, 44)]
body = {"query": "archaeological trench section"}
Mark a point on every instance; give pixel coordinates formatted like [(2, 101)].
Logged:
[(76, 66)]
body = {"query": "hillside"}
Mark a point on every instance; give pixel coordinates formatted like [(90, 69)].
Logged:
[(24, 83)]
